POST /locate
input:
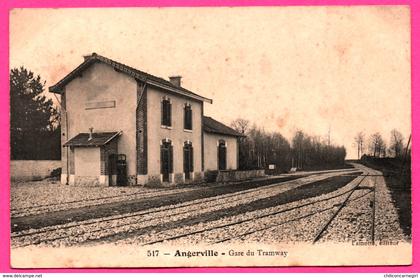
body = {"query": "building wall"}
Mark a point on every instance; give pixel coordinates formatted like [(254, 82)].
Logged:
[(87, 162), (101, 83), (210, 151), (87, 167), (26, 170), (64, 138), (177, 134)]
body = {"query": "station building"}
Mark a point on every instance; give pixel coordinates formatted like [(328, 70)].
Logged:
[(122, 126)]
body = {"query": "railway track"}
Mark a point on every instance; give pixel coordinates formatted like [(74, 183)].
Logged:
[(80, 232), (238, 236), (22, 212), (286, 222), (44, 208), (197, 201), (326, 226), (267, 215)]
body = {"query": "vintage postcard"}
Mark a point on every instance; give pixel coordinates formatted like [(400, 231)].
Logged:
[(210, 136)]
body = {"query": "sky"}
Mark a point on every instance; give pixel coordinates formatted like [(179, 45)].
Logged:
[(343, 69)]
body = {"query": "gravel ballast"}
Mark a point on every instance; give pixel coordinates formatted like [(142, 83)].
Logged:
[(295, 210)]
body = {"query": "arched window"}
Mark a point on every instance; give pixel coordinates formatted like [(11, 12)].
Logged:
[(166, 159), (188, 159), (221, 155)]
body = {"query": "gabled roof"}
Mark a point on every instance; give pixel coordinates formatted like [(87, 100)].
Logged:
[(135, 73), (210, 125), (98, 139)]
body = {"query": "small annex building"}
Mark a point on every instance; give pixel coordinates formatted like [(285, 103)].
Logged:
[(122, 126)]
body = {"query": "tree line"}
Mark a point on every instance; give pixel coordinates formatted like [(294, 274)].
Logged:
[(260, 148), (375, 145), (393, 159)]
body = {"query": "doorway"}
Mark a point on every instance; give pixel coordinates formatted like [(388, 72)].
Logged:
[(166, 159), (112, 168), (188, 160), (221, 155)]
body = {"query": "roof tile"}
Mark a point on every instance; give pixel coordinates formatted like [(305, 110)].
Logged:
[(135, 73), (98, 139)]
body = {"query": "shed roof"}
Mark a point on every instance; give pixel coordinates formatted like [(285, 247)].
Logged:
[(135, 73), (98, 139), (210, 125)]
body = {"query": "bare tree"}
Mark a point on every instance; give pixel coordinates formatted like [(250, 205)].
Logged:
[(240, 125), (360, 141), (396, 144), (377, 145), (383, 150)]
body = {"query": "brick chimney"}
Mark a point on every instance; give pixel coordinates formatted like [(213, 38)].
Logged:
[(175, 80), (88, 56)]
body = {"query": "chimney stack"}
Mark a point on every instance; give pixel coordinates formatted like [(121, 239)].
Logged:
[(90, 133), (175, 80), (88, 56)]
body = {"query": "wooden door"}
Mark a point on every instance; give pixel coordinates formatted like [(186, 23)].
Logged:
[(221, 156), (166, 161), (188, 161), (112, 168)]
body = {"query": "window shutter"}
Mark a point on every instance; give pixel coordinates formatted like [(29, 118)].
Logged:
[(186, 117), (162, 114), (184, 152), (191, 159), (169, 113), (224, 157), (190, 118), (166, 112), (218, 157), (171, 155), (161, 158)]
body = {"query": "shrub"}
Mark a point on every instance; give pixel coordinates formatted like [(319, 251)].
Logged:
[(56, 173), (210, 176)]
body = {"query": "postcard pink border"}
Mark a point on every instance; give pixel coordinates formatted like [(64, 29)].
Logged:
[(7, 5)]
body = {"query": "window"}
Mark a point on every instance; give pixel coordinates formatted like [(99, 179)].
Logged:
[(187, 117), (221, 155), (166, 112)]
